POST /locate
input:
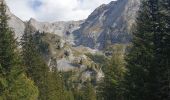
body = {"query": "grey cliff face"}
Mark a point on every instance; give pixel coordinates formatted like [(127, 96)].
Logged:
[(60, 28), (17, 25), (108, 24)]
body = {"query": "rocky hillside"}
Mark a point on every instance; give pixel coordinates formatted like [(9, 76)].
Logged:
[(108, 24), (60, 54)]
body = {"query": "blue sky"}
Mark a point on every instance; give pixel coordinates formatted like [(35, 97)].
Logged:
[(54, 10), (35, 4)]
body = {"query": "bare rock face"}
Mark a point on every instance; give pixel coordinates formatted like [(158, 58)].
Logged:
[(60, 28), (17, 25), (108, 24)]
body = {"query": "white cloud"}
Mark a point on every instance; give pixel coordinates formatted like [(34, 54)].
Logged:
[(21, 9), (54, 10)]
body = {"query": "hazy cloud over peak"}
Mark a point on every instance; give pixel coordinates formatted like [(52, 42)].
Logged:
[(54, 10)]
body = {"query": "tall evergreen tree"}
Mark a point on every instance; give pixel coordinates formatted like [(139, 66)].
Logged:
[(13, 83), (35, 66), (142, 81), (162, 48), (114, 74)]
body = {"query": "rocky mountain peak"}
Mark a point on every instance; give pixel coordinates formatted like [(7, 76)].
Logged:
[(32, 20), (108, 24)]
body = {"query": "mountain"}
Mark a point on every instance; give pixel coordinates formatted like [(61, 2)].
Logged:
[(60, 28), (59, 51), (71, 45), (108, 24)]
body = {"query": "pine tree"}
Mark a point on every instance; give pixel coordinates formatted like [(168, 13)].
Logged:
[(14, 85), (162, 48), (114, 74), (141, 79), (35, 65)]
